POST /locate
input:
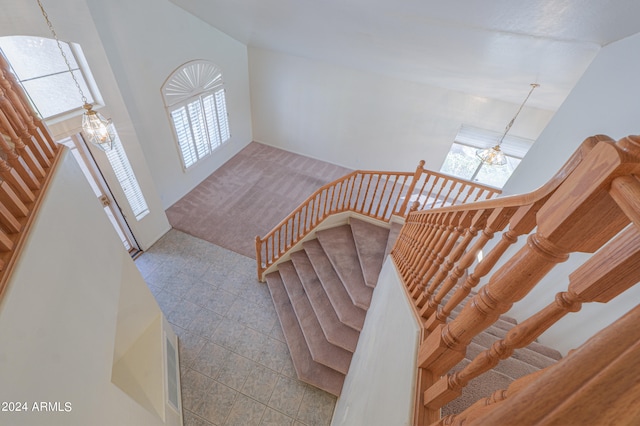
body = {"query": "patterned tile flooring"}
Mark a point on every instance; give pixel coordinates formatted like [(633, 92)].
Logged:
[(235, 366)]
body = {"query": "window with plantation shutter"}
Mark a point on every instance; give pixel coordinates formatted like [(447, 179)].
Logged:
[(195, 100), (124, 173)]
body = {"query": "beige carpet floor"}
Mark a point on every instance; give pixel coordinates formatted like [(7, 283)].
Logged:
[(249, 195)]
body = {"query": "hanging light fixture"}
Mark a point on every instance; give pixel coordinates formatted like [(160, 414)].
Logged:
[(98, 129), (494, 156)]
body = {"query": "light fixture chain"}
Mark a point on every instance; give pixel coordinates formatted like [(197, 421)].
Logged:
[(506, 130), (64, 56)]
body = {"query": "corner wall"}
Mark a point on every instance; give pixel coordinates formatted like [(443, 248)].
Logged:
[(63, 324), (365, 120), (606, 100), (379, 388)]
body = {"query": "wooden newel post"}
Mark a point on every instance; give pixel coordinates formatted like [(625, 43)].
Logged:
[(580, 216), (412, 186)]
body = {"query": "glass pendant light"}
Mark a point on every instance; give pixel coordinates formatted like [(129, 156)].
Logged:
[(99, 130), (494, 156)]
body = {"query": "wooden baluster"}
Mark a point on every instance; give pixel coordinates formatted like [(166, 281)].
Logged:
[(408, 245), (423, 255), (11, 200), (497, 220), (440, 188), (42, 138), (486, 405), (391, 202), (410, 189), (596, 384), (579, 216), (436, 256), (259, 258), (411, 239), (355, 191), (12, 156), (399, 198), (454, 268), (463, 186), (403, 245), (608, 273), (459, 224), (6, 244), (453, 252), (12, 124), (423, 228), (382, 197), (10, 175)]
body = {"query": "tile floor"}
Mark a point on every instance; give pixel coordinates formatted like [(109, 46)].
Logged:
[(235, 365)]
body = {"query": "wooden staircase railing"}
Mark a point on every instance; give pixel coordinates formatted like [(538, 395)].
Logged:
[(28, 155), (379, 195), (592, 206)]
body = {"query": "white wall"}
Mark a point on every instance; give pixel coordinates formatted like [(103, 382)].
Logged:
[(380, 386), (145, 41), (606, 100), (131, 48), (60, 315), (73, 22), (367, 120)]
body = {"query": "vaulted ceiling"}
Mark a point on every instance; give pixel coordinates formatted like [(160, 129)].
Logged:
[(489, 48)]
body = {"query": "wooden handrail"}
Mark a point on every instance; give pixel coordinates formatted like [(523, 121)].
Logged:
[(28, 156), (376, 194), (590, 206)]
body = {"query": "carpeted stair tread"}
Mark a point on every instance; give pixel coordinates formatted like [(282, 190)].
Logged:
[(371, 242), (510, 367), (340, 248), (394, 231), (321, 350), (529, 354), (478, 388), (348, 313), (306, 368), (335, 331)]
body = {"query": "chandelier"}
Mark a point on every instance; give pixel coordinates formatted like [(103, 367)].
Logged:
[(494, 156), (99, 130)]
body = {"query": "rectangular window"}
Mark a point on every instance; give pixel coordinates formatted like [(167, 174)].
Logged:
[(462, 161), (124, 173)]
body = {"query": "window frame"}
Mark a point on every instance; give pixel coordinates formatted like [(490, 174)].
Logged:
[(81, 72), (179, 94), (514, 148)]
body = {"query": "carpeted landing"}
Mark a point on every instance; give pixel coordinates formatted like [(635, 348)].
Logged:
[(249, 195)]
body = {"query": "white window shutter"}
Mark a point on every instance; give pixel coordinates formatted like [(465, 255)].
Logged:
[(194, 97), (124, 173)]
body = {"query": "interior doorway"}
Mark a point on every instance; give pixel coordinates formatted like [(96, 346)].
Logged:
[(100, 188)]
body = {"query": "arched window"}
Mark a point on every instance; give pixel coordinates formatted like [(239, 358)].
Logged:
[(194, 97)]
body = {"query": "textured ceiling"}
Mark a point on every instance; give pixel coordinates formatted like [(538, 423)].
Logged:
[(489, 48)]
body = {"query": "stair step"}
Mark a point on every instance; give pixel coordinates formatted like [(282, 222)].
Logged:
[(321, 350), (534, 354), (346, 310), (510, 367), (371, 242), (335, 331), (340, 248), (306, 368), (394, 231), (477, 389)]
